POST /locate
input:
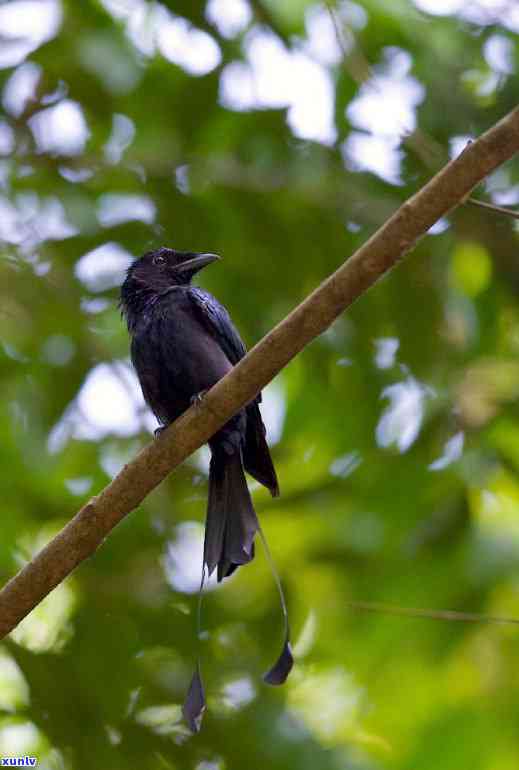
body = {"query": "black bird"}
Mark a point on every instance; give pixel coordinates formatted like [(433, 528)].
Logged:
[(183, 341)]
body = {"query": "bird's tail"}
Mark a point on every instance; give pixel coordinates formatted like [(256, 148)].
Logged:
[(256, 454), (231, 521)]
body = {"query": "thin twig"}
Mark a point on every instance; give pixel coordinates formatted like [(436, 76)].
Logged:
[(430, 152), (359, 68), (418, 612), (491, 207), (87, 530)]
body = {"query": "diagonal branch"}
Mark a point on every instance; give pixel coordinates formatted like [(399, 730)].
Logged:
[(87, 530)]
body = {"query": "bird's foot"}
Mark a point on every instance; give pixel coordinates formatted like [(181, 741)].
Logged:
[(160, 430), (197, 399)]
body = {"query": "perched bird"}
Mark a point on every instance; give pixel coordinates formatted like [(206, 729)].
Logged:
[(182, 342)]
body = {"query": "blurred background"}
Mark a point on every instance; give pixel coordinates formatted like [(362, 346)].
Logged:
[(280, 135)]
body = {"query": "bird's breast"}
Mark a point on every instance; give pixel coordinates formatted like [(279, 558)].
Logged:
[(176, 358)]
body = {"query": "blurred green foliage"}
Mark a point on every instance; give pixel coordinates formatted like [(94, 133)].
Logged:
[(397, 432)]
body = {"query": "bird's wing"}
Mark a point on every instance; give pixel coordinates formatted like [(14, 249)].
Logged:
[(217, 322)]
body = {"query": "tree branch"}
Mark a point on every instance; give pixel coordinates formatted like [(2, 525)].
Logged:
[(87, 530)]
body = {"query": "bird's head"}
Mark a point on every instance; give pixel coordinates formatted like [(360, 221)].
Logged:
[(157, 271), (161, 269)]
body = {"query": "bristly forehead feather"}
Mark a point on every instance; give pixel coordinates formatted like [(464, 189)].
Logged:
[(149, 255), (162, 252)]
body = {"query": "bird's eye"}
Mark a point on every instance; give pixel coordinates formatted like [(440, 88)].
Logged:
[(158, 260)]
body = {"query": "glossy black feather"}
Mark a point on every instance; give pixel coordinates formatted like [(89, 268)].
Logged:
[(217, 321), (279, 672), (194, 705)]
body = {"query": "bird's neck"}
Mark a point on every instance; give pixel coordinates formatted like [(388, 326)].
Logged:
[(138, 300)]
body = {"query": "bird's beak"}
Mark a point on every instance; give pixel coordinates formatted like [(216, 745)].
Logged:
[(196, 263)]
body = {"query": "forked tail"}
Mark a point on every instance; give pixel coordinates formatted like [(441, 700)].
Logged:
[(231, 525), (231, 519)]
